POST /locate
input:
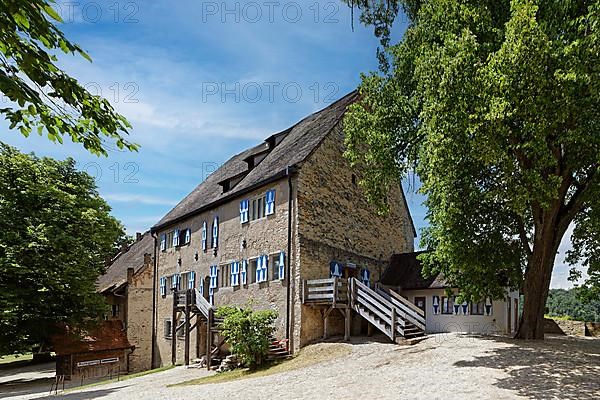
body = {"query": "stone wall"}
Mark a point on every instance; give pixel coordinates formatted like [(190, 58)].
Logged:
[(564, 327), (336, 223), (593, 329), (266, 236), (139, 317)]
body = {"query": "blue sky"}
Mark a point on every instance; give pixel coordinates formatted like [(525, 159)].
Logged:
[(203, 80)]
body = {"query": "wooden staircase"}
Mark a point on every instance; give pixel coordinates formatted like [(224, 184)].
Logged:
[(384, 309), (193, 304), (278, 349)]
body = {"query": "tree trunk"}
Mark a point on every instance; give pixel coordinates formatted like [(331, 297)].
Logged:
[(537, 280)]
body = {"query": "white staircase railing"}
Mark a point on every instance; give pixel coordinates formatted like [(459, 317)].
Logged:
[(409, 311)]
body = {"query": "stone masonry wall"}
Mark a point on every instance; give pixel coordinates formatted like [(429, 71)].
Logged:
[(337, 223), (139, 319), (266, 236)]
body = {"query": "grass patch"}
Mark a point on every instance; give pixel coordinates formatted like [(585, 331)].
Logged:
[(122, 378), (16, 358), (311, 355)]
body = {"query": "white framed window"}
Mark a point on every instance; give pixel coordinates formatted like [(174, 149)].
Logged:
[(169, 241), (225, 275), (244, 211), (447, 305), (258, 207), (201, 287), (270, 202), (478, 308), (163, 286), (163, 242)]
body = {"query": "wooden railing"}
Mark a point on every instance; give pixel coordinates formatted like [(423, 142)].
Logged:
[(408, 310), (376, 309), (325, 291), (196, 299), (202, 304)]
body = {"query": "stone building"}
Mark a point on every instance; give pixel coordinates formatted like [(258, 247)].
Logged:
[(287, 210), (128, 288), (437, 299)]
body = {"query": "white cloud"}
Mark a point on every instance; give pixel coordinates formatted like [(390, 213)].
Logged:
[(560, 274), (139, 198)]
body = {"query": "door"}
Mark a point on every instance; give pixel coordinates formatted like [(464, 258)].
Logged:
[(421, 302)]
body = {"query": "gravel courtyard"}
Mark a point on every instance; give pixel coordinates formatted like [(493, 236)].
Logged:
[(448, 366)]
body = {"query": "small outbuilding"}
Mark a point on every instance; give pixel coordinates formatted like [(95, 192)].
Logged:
[(438, 300), (102, 352)]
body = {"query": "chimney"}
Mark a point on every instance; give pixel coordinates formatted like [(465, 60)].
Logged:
[(130, 275), (138, 236)]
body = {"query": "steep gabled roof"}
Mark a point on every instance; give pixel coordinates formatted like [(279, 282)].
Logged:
[(109, 335), (297, 145), (406, 272), (116, 273)]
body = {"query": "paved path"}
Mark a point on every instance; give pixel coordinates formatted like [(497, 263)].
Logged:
[(442, 367)]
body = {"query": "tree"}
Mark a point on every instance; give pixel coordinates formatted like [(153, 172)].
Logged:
[(42, 96), (566, 303), (247, 332), (55, 235), (495, 106)]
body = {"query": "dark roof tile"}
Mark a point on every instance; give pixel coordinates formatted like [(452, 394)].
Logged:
[(406, 272), (298, 144), (116, 273)]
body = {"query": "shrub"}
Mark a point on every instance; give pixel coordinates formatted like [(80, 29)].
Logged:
[(247, 332)]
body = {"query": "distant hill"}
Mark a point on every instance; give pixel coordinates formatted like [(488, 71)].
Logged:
[(564, 303)]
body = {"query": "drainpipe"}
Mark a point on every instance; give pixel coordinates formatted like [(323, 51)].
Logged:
[(154, 302), (289, 171)]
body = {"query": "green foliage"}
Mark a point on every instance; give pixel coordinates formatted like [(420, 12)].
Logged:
[(43, 97), (55, 235), (495, 106), (247, 332), (567, 304)]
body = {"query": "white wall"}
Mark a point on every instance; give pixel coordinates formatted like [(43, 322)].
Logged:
[(497, 322)]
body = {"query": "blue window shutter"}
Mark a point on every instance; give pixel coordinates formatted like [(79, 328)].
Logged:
[(244, 272), (204, 235), (258, 268), (281, 265), (201, 287), (192, 280), (436, 305), (242, 211), (265, 268), (270, 208), (215, 233), (175, 238)]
